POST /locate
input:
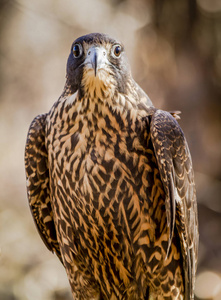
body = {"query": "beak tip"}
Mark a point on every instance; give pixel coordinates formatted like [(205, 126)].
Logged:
[(95, 64)]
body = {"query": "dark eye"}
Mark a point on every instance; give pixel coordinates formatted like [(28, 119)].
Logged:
[(117, 50), (77, 50)]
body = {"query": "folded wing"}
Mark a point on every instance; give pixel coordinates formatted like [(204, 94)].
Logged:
[(37, 176), (175, 166)]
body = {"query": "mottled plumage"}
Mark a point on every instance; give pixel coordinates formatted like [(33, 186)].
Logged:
[(110, 183)]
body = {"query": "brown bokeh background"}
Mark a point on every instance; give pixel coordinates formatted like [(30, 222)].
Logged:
[(174, 48)]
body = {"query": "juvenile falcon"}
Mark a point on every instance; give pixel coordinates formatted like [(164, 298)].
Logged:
[(110, 183)]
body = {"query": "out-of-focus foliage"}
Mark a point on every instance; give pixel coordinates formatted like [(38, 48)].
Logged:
[(174, 48)]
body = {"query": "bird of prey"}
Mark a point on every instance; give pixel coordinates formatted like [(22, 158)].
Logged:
[(110, 183)]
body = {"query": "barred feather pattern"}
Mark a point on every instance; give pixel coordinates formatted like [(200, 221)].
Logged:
[(108, 202), (111, 189)]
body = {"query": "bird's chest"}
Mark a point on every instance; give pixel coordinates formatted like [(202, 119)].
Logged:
[(93, 153), (102, 174)]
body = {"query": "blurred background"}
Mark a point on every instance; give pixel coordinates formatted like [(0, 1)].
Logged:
[(174, 48)]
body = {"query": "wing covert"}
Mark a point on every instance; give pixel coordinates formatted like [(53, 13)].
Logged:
[(175, 166), (37, 176)]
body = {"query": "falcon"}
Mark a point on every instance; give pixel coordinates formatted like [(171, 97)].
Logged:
[(110, 183)]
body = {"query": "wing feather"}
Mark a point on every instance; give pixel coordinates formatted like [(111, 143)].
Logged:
[(37, 176), (175, 166)]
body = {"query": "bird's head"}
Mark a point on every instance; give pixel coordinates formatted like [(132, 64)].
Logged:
[(97, 65)]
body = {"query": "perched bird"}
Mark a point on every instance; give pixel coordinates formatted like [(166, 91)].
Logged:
[(110, 183)]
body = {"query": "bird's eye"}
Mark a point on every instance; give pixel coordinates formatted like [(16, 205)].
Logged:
[(77, 50), (117, 50)]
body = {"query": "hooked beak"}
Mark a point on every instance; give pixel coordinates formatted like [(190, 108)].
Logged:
[(96, 58)]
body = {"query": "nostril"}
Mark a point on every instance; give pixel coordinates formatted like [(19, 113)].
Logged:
[(89, 52), (104, 53)]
